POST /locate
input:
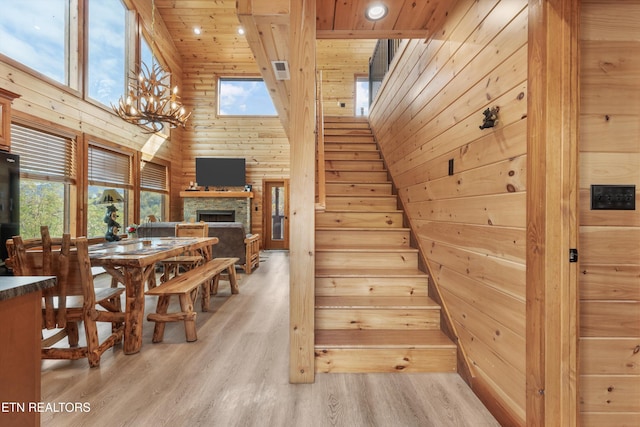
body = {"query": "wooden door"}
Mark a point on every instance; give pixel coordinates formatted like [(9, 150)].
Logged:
[(276, 214)]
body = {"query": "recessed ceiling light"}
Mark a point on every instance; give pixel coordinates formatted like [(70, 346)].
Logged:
[(376, 11), (197, 31), (241, 31)]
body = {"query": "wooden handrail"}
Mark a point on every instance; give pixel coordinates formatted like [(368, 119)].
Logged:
[(321, 192)]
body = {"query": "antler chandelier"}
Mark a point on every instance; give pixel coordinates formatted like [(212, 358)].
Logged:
[(150, 101)]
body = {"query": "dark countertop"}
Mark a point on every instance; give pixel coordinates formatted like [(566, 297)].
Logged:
[(15, 286)]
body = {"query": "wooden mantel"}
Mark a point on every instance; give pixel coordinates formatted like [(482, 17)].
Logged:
[(228, 194)]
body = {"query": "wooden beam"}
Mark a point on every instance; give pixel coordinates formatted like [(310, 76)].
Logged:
[(266, 30), (302, 211), (552, 315)]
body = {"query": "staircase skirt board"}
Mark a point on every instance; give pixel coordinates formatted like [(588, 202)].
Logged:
[(372, 308)]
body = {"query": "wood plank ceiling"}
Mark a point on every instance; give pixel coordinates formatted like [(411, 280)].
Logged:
[(267, 31), (218, 22)]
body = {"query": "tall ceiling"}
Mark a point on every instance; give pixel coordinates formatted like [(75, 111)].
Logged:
[(218, 22), (267, 32)]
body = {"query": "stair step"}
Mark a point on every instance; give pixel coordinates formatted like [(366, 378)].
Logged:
[(356, 176), (405, 272), (366, 351), (366, 202), (351, 155), (350, 146), (350, 219), (357, 165), (362, 237), (347, 130), (378, 286), (366, 258), (360, 189), (351, 139), (371, 282), (389, 338), (401, 313), (336, 120), (376, 303)]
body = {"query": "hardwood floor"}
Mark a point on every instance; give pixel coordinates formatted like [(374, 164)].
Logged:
[(236, 374)]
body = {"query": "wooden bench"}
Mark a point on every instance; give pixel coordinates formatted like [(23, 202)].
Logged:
[(186, 286)]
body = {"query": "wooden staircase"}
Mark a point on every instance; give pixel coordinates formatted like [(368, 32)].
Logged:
[(372, 310)]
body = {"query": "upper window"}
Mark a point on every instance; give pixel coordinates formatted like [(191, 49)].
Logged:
[(34, 33), (244, 97), (107, 51)]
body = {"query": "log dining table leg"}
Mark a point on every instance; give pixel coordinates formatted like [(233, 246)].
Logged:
[(135, 279)]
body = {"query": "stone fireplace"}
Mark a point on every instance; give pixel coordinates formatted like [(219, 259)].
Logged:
[(217, 206)]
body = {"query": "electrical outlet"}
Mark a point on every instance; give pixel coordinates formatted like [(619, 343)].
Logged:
[(613, 197)]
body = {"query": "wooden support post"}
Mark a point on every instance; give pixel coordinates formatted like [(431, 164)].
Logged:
[(552, 298), (302, 211)]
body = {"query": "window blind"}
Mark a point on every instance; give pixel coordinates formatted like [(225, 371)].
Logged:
[(44, 155), (109, 167), (153, 177)]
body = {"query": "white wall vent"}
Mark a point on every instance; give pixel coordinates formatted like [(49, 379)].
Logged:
[(281, 70)]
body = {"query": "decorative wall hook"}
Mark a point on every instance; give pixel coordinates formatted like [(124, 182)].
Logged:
[(490, 117)]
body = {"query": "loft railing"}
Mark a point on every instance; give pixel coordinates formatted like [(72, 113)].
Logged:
[(379, 64), (321, 192)]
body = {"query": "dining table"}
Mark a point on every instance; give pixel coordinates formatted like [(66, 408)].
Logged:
[(132, 262)]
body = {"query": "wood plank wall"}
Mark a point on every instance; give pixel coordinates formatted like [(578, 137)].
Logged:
[(609, 381), (341, 61), (260, 140), (470, 225)]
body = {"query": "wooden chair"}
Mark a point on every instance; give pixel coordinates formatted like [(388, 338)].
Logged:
[(74, 298), (186, 262)]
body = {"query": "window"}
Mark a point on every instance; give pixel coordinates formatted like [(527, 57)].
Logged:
[(107, 51), (244, 97), (362, 96), (154, 190), (35, 34), (48, 172), (107, 170)]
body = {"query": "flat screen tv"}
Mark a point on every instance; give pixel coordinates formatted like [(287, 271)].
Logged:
[(220, 172)]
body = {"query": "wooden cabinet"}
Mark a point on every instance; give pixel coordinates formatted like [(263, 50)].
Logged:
[(5, 118)]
